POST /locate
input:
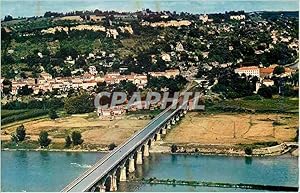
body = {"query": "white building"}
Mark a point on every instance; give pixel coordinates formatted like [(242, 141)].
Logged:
[(237, 17), (93, 70), (248, 71), (179, 47), (268, 82)]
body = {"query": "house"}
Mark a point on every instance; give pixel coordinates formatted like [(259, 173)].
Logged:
[(204, 18), (93, 70), (248, 71), (88, 84), (45, 75), (268, 82), (237, 17), (171, 73), (266, 72), (112, 111), (166, 57), (179, 47)]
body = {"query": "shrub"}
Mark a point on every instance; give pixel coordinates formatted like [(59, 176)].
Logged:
[(68, 141), (21, 133), (76, 138), (14, 138), (296, 138), (265, 92), (111, 146), (43, 140), (253, 97), (278, 70), (52, 114), (174, 148), (248, 151)]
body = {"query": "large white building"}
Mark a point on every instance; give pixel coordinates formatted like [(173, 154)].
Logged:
[(248, 71)]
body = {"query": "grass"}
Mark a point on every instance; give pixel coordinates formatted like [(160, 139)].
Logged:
[(22, 115), (29, 145), (21, 145), (7, 113), (259, 145), (279, 105)]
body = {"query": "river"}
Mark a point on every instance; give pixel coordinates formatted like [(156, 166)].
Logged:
[(51, 171), (23, 8)]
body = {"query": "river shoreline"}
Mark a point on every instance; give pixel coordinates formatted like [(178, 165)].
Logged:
[(174, 182), (185, 150)]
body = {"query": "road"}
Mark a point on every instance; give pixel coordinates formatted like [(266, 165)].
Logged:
[(111, 160)]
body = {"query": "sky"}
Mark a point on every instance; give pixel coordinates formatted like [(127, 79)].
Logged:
[(27, 8)]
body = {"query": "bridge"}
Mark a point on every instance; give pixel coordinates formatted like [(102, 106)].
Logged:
[(119, 163)]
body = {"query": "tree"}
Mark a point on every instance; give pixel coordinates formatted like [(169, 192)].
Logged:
[(43, 140), (14, 138), (8, 18), (52, 114), (21, 133), (76, 138), (265, 92), (111, 146), (6, 86), (79, 104), (174, 148), (278, 70), (248, 151), (68, 141), (25, 90)]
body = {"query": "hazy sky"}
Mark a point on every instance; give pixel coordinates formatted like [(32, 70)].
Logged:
[(39, 7)]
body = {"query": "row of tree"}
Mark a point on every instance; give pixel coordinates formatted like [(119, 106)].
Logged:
[(20, 135)]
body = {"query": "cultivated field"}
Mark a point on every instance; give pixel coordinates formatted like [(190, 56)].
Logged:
[(230, 129)]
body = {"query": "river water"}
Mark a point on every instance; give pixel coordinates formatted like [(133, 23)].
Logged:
[(39, 7), (51, 171)]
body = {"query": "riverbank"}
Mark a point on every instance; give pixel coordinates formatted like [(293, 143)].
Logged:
[(261, 149), (197, 133), (175, 182), (195, 149)]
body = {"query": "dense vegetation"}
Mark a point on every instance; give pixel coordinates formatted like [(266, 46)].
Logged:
[(140, 51), (79, 104), (25, 115)]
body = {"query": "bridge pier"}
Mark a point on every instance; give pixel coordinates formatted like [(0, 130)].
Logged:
[(123, 174), (181, 114), (177, 118), (146, 150), (164, 131), (169, 125), (158, 136), (131, 167), (184, 111), (139, 158), (102, 188), (150, 143), (173, 121), (113, 183)]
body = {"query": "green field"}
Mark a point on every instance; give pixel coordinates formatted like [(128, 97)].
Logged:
[(10, 116), (7, 113), (279, 105)]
